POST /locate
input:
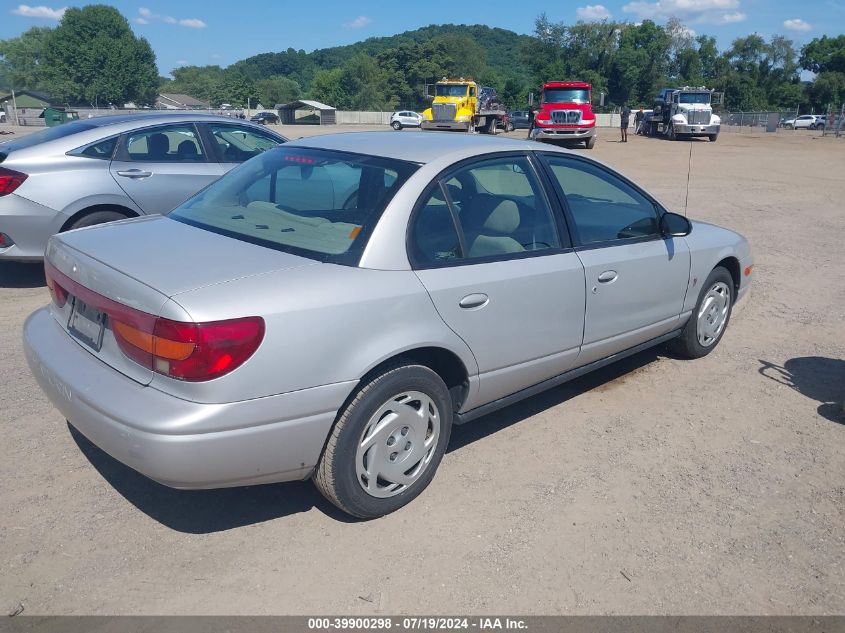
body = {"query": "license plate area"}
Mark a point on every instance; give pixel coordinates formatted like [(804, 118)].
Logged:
[(87, 324)]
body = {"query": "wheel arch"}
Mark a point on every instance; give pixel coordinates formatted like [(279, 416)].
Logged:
[(442, 361), (731, 263), (129, 213)]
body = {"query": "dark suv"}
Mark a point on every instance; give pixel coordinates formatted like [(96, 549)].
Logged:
[(265, 118)]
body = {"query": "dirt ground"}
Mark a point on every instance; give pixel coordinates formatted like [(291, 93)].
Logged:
[(656, 486)]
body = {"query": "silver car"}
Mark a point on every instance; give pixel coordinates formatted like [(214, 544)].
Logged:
[(110, 168), (330, 308)]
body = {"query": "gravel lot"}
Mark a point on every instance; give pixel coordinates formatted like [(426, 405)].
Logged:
[(655, 486)]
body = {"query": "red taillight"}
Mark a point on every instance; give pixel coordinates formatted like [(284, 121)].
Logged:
[(58, 293), (192, 352), (10, 180)]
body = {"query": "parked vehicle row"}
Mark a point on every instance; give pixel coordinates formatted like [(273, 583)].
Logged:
[(806, 122), (333, 306)]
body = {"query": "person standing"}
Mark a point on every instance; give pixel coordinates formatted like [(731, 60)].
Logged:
[(625, 115), (530, 120), (639, 119)]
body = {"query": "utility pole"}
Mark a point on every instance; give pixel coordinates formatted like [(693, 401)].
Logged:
[(15, 108)]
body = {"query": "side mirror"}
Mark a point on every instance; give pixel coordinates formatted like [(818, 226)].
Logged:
[(674, 225)]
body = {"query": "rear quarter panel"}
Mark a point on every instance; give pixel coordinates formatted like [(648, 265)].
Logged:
[(325, 324)]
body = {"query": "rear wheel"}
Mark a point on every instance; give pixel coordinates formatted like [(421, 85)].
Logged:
[(387, 442), (97, 217), (396, 125), (710, 317)]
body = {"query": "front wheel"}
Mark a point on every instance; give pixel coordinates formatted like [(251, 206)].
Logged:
[(590, 142), (713, 137), (710, 318), (396, 125), (509, 127), (387, 442), (671, 133)]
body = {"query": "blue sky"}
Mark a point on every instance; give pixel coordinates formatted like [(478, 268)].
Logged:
[(221, 32)]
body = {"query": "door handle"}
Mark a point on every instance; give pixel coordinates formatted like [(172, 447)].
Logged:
[(134, 173), (607, 277), (476, 300)]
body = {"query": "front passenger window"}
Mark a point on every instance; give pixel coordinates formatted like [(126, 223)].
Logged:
[(604, 208)]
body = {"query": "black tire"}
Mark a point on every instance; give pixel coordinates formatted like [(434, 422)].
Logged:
[(590, 143), (671, 133), (510, 127), (396, 125), (97, 217), (713, 137), (687, 344), (336, 476)]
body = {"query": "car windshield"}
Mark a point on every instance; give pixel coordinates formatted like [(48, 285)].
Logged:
[(695, 97), (451, 90), (47, 134), (315, 203), (566, 95)]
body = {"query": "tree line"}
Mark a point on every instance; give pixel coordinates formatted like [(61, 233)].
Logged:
[(92, 56)]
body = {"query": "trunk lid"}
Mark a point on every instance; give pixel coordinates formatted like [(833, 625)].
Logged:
[(141, 264)]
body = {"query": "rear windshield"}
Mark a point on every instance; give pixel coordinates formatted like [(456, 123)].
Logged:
[(316, 203), (47, 134)]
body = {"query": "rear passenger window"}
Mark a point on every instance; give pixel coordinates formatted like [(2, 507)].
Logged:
[(172, 143), (500, 210), (604, 208)]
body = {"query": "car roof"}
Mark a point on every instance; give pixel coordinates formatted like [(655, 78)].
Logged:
[(416, 147)]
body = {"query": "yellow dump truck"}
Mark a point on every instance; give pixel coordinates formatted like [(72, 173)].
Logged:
[(463, 105)]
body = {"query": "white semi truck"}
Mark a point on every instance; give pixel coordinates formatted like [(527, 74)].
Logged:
[(683, 113)]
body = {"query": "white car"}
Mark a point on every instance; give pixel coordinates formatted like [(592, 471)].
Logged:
[(805, 121), (405, 118)]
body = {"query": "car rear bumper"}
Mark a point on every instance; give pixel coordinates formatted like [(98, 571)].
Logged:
[(562, 133), (29, 225), (277, 438)]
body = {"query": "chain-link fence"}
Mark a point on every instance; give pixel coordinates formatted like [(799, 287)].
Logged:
[(758, 121), (834, 124)]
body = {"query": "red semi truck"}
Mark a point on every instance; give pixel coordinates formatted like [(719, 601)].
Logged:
[(566, 114)]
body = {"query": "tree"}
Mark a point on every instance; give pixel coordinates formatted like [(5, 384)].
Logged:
[(277, 89), (828, 89), (825, 54), (93, 56), (21, 59)]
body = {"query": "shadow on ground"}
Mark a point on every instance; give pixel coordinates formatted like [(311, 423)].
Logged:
[(816, 377), (20, 275), (206, 511)]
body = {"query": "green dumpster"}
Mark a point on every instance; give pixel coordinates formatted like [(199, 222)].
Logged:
[(56, 116)]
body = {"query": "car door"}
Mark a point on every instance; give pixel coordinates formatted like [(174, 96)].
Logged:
[(160, 167), (234, 144), (636, 279), (486, 244)]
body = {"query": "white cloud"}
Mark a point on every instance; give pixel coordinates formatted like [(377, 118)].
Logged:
[(39, 12), (193, 23), (359, 22), (216, 56), (182, 62), (147, 16), (796, 24), (696, 11), (592, 13)]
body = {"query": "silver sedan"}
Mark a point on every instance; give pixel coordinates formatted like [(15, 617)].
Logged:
[(110, 168), (332, 307)]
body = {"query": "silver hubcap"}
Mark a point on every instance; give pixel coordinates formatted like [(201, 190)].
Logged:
[(397, 444), (713, 313)]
